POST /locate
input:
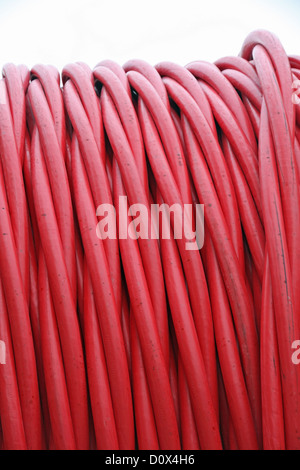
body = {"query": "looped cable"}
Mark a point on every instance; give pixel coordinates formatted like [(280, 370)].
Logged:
[(130, 317)]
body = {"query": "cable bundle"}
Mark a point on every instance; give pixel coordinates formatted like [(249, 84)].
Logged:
[(140, 342)]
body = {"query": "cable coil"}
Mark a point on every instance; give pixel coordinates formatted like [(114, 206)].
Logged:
[(115, 334)]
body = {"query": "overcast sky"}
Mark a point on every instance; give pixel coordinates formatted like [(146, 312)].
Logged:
[(63, 31)]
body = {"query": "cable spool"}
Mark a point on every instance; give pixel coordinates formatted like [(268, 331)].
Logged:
[(127, 320)]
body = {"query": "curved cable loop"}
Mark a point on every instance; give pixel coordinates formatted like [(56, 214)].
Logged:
[(149, 261)]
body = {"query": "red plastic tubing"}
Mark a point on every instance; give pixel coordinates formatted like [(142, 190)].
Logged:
[(114, 334)]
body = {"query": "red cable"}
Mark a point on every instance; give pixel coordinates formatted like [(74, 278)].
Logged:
[(10, 407), (143, 408), (62, 294), (102, 410), (20, 326), (145, 321), (192, 262), (59, 409), (118, 341), (272, 410), (108, 316), (284, 308), (288, 176)]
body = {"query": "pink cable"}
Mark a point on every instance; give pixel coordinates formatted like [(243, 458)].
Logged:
[(118, 332)]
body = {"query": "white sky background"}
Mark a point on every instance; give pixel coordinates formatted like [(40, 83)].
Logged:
[(58, 32)]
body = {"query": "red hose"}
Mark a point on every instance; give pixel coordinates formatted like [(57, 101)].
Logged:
[(126, 323)]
